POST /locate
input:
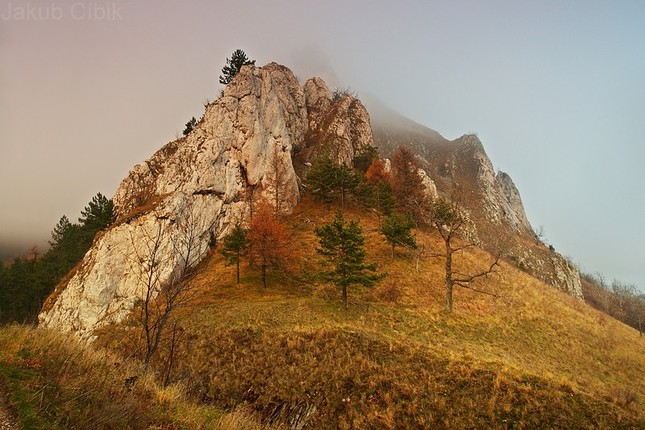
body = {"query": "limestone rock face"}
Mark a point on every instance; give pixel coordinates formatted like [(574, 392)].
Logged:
[(498, 209), (199, 186), (242, 141), (339, 125), (428, 184), (567, 276), (551, 267), (501, 202), (513, 206), (318, 99), (250, 143), (113, 274), (461, 169)]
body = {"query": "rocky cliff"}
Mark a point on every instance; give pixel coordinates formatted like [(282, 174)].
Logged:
[(195, 188), (254, 142), (460, 169)]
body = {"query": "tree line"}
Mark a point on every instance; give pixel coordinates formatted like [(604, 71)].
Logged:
[(27, 281), (621, 301)]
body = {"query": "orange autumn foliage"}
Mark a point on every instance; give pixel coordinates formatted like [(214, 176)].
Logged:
[(376, 172), (269, 241)]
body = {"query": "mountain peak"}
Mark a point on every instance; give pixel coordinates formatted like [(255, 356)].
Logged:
[(241, 150), (255, 142)]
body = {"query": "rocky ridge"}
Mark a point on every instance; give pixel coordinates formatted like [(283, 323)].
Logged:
[(240, 150), (460, 169), (257, 138)]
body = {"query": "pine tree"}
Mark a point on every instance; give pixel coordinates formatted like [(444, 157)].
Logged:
[(61, 231), (343, 245), (68, 245), (320, 179), (235, 247), (364, 158), (98, 214), (378, 197), (397, 230), (189, 126), (327, 179), (28, 281), (345, 182), (233, 66)]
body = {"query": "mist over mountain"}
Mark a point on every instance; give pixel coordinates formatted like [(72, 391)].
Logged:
[(9, 251), (520, 122)]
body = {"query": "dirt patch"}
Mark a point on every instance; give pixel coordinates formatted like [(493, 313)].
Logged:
[(7, 421)]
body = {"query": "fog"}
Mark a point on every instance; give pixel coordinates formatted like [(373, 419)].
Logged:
[(553, 89)]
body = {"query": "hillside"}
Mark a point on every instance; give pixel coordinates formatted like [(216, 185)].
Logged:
[(257, 141), (518, 353), (532, 358), (460, 169)]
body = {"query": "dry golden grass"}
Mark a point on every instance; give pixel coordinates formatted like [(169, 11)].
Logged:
[(55, 382), (531, 358)]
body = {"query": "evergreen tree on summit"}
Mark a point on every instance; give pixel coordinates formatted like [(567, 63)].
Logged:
[(233, 66), (189, 126)]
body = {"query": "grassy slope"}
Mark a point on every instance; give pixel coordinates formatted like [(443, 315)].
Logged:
[(532, 358), (53, 382)]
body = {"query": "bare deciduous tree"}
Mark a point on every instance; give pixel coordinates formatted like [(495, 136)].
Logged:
[(619, 300), (629, 305), (449, 220), (164, 260), (637, 312)]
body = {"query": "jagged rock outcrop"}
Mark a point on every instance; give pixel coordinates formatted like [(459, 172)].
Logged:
[(500, 220), (318, 99), (113, 274), (460, 169), (254, 142), (549, 266), (428, 184), (201, 185), (339, 125), (513, 207), (501, 201)]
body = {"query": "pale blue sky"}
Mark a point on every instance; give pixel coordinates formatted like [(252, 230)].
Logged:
[(554, 89)]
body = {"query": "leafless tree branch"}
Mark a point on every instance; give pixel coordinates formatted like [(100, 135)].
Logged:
[(168, 244)]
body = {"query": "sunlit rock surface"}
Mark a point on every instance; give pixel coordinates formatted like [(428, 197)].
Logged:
[(238, 151)]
